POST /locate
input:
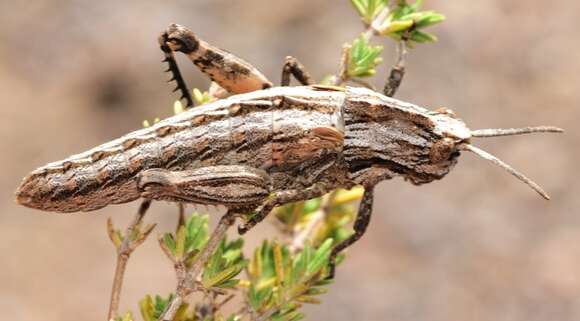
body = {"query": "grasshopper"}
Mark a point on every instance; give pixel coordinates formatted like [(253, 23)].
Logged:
[(264, 146)]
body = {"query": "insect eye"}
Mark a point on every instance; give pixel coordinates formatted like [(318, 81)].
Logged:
[(442, 150), (174, 43)]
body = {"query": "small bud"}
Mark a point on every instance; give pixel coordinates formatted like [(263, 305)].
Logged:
[(198, 96), (178, 107), (396, 26)]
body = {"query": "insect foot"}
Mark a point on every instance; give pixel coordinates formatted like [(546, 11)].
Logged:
[(179, 38)]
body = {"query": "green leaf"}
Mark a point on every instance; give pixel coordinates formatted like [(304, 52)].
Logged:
[(308, 299), (363, 58), (160, 304), (311, 205), (320, 259), (223, 277), (151, 309), (288, 313), (169, 242), (224, 264), (232, 255), (278, 263), (197, 232), (369, 9), (180, 243), (359, 5), (259, 298), (301, 272), (422, 37), (117, 238), (316, 291), (429, 20), (403, 14), (147, 308), (417, 5), (323, 282)]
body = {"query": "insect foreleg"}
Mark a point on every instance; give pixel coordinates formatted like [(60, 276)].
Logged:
[(231, 186), (394, 81), (360, 225), (281, 198), (293, 67), (397, 71)]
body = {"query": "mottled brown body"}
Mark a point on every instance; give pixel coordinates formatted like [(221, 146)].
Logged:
[(298, 135), (264, 148)]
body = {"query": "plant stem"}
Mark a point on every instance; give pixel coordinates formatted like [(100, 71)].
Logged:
[(117, 285), (187, 278), (123, 253), (370, 31), (181, 213), (216, 237), (342, 75), (377, 21), (305, 234), (169, 314)]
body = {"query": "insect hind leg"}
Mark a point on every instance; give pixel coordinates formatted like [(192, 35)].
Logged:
[(227, 70), (229, 185), (174, 70)]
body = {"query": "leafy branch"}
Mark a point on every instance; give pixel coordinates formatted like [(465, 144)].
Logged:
[(403, 22), (125, 244)]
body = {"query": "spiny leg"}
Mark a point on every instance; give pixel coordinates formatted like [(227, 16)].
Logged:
[(175, 72), (293, 67), (397, 71), (360, 225), (280, 198), (232, 186), (230, 72)]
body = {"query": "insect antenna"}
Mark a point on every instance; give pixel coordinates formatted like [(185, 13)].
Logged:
[(515, 131), (176, 75), (487, 156)]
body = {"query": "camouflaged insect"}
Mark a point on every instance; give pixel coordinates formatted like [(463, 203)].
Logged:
[(262, 147)]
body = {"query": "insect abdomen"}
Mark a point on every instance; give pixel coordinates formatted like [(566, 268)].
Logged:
[(235, 131), (108, 174)]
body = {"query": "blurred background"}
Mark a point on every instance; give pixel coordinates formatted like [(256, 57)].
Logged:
[(478, 245)]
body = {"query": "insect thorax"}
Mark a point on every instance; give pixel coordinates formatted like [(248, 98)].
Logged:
[(385, 137)]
